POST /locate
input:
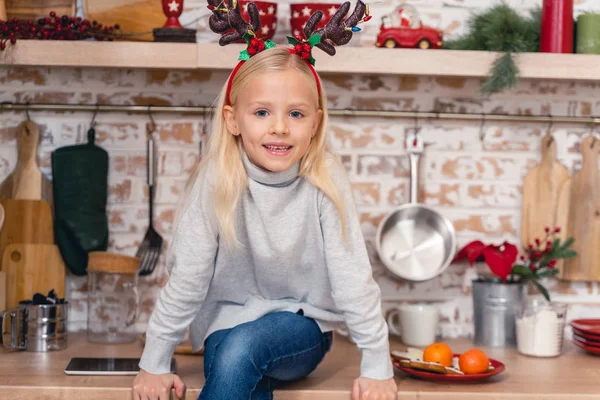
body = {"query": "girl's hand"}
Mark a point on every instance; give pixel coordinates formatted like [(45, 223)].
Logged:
[(374, 389), (147, 386)]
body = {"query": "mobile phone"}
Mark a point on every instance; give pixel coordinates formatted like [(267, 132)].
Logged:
[(107, 366)]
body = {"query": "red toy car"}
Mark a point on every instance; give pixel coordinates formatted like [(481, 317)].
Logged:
[(403, 28)]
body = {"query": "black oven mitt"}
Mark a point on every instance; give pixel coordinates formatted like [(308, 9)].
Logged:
[(80, 186)]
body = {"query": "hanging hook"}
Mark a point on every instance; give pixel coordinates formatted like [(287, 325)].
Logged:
[(93, 123), (593, 134), (481, 128), (550, 123), (416, 122), (27, 112), (153, 124)]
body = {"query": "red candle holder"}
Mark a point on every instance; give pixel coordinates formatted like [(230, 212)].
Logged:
[(173, 10), (172, 30)]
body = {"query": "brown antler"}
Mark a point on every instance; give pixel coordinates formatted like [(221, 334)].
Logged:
[(226, 15), (335, 33)]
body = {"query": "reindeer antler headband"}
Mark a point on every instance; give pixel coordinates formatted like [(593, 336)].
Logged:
[(226, 15)]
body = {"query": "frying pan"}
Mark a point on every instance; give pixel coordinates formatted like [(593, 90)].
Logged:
[(414, 241)]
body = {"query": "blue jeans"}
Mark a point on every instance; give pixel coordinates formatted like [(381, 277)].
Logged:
[(249, 360)]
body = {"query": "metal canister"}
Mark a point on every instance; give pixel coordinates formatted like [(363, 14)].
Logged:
[(495, 307), (36, 327)]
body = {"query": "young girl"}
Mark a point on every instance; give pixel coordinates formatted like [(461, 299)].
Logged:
[(268, 257)]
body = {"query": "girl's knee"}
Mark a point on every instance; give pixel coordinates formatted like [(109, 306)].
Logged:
[(237, 351)]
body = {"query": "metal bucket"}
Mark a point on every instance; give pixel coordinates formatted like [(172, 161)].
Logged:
[(495, 306)]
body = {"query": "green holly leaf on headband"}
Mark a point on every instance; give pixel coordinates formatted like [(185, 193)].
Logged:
[(314, 40), (248, 36), (292, 40), (244, 55), (269, 44), (311, 60)]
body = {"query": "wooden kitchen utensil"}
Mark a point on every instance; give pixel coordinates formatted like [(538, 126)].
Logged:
[(541, 188), (2, 10), (578, 213), (32, 268), (34, 9), (2, 291), (26, 181), (26, 221), (134, 16)]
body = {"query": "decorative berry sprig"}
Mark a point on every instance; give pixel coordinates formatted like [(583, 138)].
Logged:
[(303, 47), (255, 45), (55, 27), (539, 260), (364, 19)]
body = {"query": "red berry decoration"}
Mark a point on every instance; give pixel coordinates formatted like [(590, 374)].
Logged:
[(55, 28), (261, 45), (252, 51)]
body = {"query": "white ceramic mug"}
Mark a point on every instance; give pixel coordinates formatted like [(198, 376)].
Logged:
[(417, 324)]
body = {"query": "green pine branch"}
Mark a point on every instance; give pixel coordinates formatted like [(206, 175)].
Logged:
[(500, 29)]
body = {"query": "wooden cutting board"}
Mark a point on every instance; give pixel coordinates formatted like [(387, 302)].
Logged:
[(34, 9), (32, 268), (26, 181), (2, 10), (26, 221), (541, 188), (578, 212), (137, 17), (2, 291)]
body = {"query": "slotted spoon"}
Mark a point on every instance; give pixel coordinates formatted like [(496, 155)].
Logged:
[(150, 248)]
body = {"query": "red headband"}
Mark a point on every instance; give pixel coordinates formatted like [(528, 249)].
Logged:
[(226, 15), (239, 65)]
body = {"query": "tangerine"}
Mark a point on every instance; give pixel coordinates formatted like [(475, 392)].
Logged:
[(438, 352), (473, 361)]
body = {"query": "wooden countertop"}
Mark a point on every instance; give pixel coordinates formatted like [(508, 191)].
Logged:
[(574, 375)]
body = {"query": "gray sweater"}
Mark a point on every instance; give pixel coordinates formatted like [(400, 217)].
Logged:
[(292, 257)]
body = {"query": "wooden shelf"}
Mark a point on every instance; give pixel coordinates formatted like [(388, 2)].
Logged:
[(364, 60), (100, 54)]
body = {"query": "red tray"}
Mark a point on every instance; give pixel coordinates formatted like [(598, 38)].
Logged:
[(591, 326), (437, 377)]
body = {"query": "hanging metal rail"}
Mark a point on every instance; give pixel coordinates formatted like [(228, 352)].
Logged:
[(332, 112)]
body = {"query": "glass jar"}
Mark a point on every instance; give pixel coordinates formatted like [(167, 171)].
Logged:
[(540, 328), (113, 299)]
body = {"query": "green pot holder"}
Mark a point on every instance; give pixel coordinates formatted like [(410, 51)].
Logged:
[(80, 187)]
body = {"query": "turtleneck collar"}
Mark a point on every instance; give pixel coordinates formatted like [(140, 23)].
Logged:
[(269, 178)]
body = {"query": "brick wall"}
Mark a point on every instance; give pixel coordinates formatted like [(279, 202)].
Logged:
[(475, 182)]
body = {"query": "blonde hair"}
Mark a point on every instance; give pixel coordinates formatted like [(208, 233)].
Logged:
[(223, 153)]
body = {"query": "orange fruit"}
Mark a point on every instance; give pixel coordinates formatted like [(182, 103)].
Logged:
[(473, 361), (438, 352)]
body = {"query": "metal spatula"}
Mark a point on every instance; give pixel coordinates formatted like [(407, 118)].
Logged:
[(149, 250)]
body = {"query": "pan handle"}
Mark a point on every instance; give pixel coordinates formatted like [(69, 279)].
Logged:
[(414, 183), (414, 144)]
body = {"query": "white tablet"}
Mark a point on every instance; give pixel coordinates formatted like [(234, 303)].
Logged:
[(107, 366)]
